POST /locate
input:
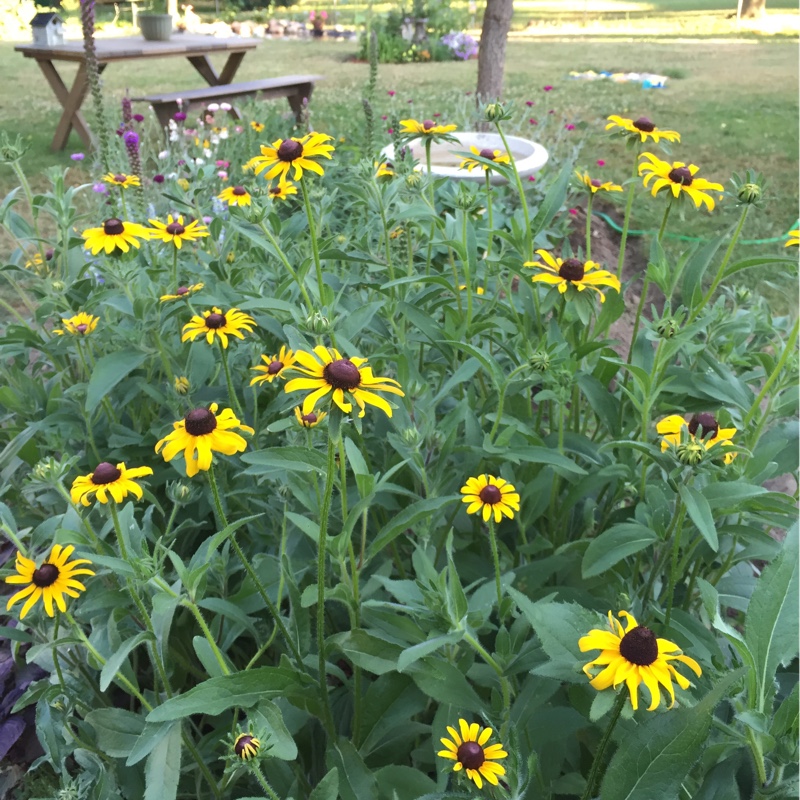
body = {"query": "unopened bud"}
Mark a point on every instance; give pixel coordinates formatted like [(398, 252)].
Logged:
[(540, 361), (690, 453), (749, 193), (668, 327), (494, 112), (413, 180)]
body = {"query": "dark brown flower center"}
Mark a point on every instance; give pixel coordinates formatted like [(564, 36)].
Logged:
[(681, 175), (490, 494), (705, 423), (275, 190), (175, 229), (572, 270), (275, 367), (644, 124), (309, 419), (639, 646), (113, 227), (239, 191), (120, 178), (243, 743), (487, 153), (215, 321), (470, 754), (199, 422), (82, 328), (181, 290), (45, 576), (428, 124), (342, 374), (105, 473), (290, 150), (596, 182)]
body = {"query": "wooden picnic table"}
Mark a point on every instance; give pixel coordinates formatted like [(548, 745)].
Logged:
[(195, 48)]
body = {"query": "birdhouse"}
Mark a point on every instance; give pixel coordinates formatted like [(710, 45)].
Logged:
[(48, 29)]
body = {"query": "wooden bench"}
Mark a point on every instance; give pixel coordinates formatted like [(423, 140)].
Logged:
[(296, 88)]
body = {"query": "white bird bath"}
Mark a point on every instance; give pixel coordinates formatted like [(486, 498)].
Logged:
[(529, 156)]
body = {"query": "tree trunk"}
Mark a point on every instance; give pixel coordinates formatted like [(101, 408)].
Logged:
[(492, 54), (752, 9)]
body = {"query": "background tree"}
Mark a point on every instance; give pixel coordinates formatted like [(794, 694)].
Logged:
[(492, 55), (751, 9)]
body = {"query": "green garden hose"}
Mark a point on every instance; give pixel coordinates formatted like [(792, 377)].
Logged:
[(610, 222)]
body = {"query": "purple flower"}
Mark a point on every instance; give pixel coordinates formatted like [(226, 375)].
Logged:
[(158, 179), (391, 94), (208, 220), (138, 117), (120, 131), (181, 163), (179, 116), (548, 88), (533, 121), (100, 188), (131, 139), (531, 177), (529, 103), (77, 156), (569, 127), (390, 130), (384, 117), (600, 162)]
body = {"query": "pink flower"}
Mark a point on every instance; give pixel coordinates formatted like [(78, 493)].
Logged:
[(384, 117), (548, 88), (569, 127), (77, 156), (437, 115), (533, 121), (573, 211), (390, 130), (208, 220), (391, 94), (158, 179), (238, 129), (531, 177), (600, 162), (551, 111), (138, 117), (529, 103), (179, 116), (223, 164), (410, 102), (223, 175), (467, 93)]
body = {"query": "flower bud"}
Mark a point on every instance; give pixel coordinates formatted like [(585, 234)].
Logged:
[(413, 180), (749, 193), (494, 112), (181, 384), (317, 323), (411, 437), (246, 746), (58, 286), (690, 453), (540, 361), (668, 327)]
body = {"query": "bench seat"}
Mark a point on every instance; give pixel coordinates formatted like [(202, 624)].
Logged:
[(296, 88)]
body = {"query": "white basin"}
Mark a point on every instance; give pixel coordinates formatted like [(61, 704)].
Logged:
[(529, 156)]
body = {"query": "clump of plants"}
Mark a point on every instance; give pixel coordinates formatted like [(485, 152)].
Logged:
[(325, 478)]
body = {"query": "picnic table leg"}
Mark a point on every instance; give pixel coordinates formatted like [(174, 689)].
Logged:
[(231, 67), (70, 100), (205, 68), (298, 101)]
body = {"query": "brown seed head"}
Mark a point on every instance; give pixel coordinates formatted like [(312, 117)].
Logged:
[(639, 646), (470, 754), (490, 495), (199, 422), (644, 124), (175, 229), (113, 227), (239, 191), (342, 374), (487, 153), (572, 270), (681, 175), (105, 473), (706, 423), (290, 150), (274, 367), (45, 576), (215, 321)]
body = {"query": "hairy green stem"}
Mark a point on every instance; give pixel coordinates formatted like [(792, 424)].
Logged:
[(597, 764), (626, 221), (314, 244)]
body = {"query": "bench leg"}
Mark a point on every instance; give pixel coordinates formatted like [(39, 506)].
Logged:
[(164, 112), (300, 100)]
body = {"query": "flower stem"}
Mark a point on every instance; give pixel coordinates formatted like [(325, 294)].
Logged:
[(680, 513), (589, 226), (268, 790), (489, 215), (594, 772), (627, 219), (314, 244), (521, 190), (231, 393), (287, 265), (198, 615), (496, 559), (504, 684)]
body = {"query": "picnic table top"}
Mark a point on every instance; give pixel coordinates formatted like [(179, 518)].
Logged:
[(122, 47)]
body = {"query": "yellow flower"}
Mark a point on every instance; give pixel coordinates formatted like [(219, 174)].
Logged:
[(176, 232), (470, 754), (79, 325), (183, 183), (643, 128), (108, 479), (275, 366), (595, 185), (257, 126), (310, 420), (287, 153), (282, 190), (54, 579), (490, 495), (181, 384), (215, 323), (122, 180), (674, 427), (384, 169), (678, 177), (396, 233), (635, 656), (235, 196), (480, 290), (498, 156), (200, 434), (426, 128), (246, 745), (794, 239), (182, 292), (114, 235), (330, 372), (580, 274)]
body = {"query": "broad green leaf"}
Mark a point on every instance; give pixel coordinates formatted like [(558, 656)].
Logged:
[(367, 651), (356, 780), (445, 684), (327, 788), (150, 736), (400, 782), (407, 518), (758, 261), (700, 513), (391, 701), (108, 372), (281, 743), (772, 618), (613, 545), (114, 664), (786, 717), (696, 267), (653, 760), (284, 459), (413, 654), (163, 767), (117, 730)]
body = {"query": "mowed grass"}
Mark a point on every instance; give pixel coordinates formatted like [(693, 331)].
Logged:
[(736, 107)]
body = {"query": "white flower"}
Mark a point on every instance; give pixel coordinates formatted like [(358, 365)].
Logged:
[(173, 136), (199, 161), (172, 125), (225, 106), (222, 174), (223, 134), (213, 107), (207, 152), (163, 155)]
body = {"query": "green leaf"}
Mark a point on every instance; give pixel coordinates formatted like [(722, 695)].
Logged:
[(117, 730), (390, 703), (700, 513), (284, 459), (281, 743), (446, 684), (613, 545), (150, 736), (367, 651), (327, 788), (772, 618), (653, 760), (357, 780), (407, 518), (758, 261), (539, 455), (114, 664), (553, 200), (108, 372), (163, 767), (399, 782), (786, 717), (696, 267), (418, 651), (243, 689)]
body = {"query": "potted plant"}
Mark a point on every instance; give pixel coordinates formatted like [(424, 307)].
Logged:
[(156, 24)]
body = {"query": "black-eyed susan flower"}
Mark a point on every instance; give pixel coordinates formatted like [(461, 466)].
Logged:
[(182, 292), (330, 372), (497, 156), (174, 231), (246, 745), (702, 429), (235, 196), (425, 128), (794, 239), (285, 154), (282, 190), (257, 126), (215, 323), (115, 234), (81, 324), (490, 496), (634, 656), (181, 384), (122, 180), (274, 367), (107, 480), (384, 169), (678, 177), (201, 433), (642, 127), (54, 579), (580, 274), (310, 420), (595, 185), (469, 752)]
